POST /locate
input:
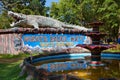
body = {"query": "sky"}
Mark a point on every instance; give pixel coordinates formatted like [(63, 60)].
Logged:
[(48, 2)]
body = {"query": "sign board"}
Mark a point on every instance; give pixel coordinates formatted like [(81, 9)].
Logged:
[(44, 41)]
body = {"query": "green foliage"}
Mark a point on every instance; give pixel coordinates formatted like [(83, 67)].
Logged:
[(65, 11), (35, 7), (85, 11), (27, 11), (4, 21)]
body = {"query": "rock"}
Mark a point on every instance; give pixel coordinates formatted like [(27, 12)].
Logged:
[(21, 65), (29, 77), (22, 71)]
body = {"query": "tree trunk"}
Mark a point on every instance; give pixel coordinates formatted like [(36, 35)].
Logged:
[(119, 30)]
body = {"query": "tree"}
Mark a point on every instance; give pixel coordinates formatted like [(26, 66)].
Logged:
[(66, 10), (32, 6), (85, 11), (36, 7), (110, 10)]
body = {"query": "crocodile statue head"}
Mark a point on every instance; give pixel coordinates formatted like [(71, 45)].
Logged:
[(18, 18)]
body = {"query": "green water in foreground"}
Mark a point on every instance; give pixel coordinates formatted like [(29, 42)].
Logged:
[(110, 70)]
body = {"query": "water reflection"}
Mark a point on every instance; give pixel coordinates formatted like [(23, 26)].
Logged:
[(110, 70)]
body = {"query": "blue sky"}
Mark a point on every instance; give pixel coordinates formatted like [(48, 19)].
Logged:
[(48, 2)]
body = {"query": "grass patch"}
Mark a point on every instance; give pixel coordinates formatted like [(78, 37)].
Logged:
[(115, 49), (9, 66), (10, 71), (9, 56), (111, 50)]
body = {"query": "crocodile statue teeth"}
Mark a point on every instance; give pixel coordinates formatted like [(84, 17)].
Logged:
[(37, 21)]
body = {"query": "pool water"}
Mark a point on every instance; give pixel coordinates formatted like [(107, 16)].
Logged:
[(111, 69)]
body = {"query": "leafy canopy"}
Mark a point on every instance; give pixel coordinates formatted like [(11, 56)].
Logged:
[(84, 11), (35, 7)]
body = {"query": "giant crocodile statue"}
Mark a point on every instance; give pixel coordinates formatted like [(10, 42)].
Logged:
[(38, 21)]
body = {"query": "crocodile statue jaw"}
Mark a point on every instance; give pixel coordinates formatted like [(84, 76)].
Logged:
[(37, 21), (18, 18)]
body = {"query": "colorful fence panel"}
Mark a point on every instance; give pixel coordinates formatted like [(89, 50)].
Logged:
[(7, 45)]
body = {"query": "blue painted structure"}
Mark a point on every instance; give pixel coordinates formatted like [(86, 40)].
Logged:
[(75, 56), (53, 40)]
